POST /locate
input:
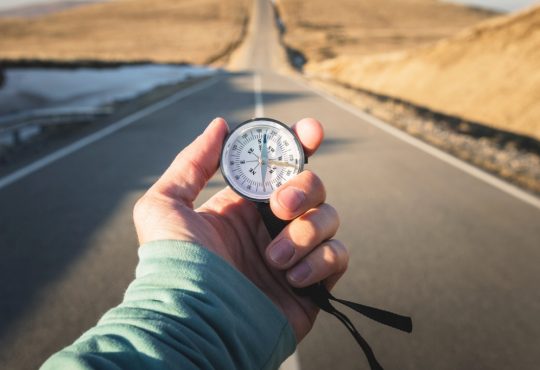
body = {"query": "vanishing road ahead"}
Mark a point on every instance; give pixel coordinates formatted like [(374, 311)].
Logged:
[(458, 251)]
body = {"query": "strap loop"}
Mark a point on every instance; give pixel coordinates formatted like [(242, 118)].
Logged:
[(322, 297), (403, 323)]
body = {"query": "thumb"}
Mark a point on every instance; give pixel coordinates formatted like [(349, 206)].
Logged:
[(195, 165)]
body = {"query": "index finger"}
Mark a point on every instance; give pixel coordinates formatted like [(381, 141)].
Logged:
[(310, 132)]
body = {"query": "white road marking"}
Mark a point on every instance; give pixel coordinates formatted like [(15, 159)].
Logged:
[(257, 88), (291, 363), (87, 140), (437, 153)]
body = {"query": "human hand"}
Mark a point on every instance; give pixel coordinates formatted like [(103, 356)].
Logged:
[(230, 226)]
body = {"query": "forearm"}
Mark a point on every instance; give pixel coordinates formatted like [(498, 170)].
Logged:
[(186, 309)]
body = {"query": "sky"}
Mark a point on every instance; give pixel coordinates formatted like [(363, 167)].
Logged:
[(505, 5), (508, 5), (10, 4)]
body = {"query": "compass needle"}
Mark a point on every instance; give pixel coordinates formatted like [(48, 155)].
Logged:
[(264, 161), (281, 164)]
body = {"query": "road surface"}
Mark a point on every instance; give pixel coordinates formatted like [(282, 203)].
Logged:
[(426, 237)]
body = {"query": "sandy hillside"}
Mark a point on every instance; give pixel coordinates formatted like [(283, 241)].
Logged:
[(323, 29), (193, 31), (488, 74)]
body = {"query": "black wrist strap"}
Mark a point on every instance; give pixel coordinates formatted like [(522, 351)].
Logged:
[(273, 224), (322, 297)]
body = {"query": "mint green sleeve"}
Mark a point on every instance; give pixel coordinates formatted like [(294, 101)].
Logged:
[(186, 309)]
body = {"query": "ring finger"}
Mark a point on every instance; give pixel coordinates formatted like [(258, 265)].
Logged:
[(302, 235), (328, 261)]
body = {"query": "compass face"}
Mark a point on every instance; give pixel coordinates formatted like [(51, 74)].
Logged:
[(259, 156)]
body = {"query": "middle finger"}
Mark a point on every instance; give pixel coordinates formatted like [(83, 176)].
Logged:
[(302, 235)]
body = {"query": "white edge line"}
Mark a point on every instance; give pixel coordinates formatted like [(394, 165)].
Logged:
[(87, 140), (257, 89), (291, 363), (437, 153)]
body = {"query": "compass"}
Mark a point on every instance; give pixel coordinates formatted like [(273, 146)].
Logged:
[(259, 156)]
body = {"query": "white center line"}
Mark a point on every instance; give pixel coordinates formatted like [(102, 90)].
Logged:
[(257, 88), (292, 362), (87, 140)]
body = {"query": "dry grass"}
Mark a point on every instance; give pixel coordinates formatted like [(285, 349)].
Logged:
[(511, 158), (165, 31), (488, 74), (324, 29), (394, 58)]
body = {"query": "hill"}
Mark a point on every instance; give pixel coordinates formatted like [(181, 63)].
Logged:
[(323, 29), (166, 31), (489, 73)]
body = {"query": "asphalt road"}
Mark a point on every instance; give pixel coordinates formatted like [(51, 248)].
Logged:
[(426, 238)]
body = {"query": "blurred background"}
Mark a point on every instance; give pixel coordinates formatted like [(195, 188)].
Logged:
[(432, 107)]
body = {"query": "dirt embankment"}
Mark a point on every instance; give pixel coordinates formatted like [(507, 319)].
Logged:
[(488, 74), (443, 73), (323, 29), (165, 31)]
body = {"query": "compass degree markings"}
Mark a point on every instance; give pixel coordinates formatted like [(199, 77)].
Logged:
[(264, 147)]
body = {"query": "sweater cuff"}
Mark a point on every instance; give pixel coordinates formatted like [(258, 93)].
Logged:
[(243, 318)]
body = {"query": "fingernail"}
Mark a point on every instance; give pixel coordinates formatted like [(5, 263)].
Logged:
[(300, 272), (281, 252), (291, 198)]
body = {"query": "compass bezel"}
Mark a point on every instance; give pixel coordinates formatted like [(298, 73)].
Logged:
[(260, 120)]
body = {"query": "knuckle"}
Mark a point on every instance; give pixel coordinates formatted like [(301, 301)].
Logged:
[(309, 176), (313, 180), (316, 220), (305, 232), (139, 209), (330, 257), (331, 214), (200, 171), (311, 228), (340, 255), (316, 225)]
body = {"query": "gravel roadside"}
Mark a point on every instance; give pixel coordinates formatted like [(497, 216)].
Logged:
[(513, 158)]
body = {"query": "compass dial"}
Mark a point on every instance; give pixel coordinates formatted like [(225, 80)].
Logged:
[(259, 156)]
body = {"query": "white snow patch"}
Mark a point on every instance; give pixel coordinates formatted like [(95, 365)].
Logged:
[(38, 88)]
